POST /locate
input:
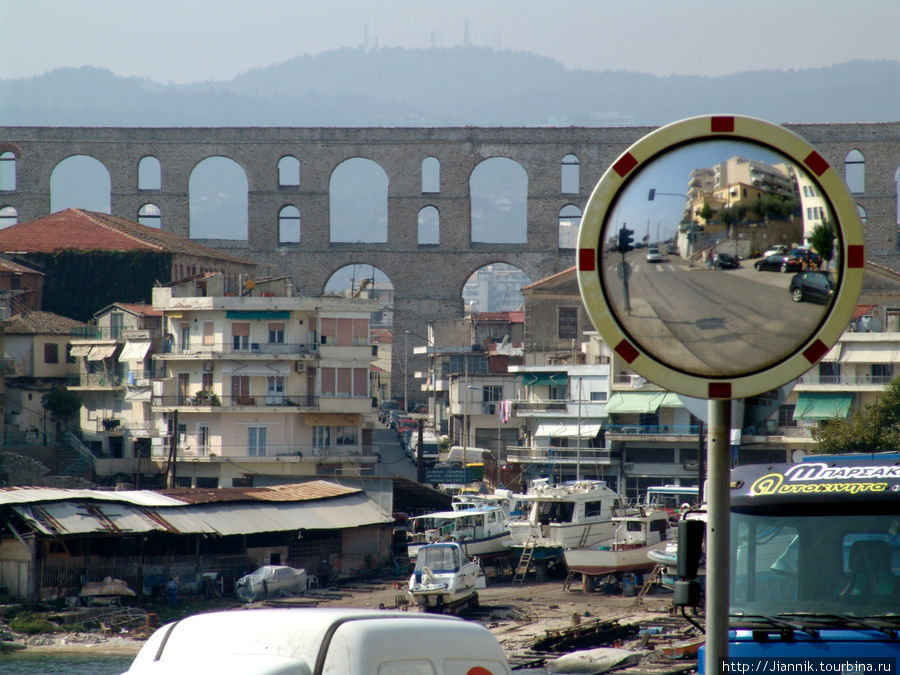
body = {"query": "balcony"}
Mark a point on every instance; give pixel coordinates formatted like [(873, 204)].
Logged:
[(215, 403), (230, 350), (520, 454), (866, 380), (95, 381), (188, 451), (539, 406)]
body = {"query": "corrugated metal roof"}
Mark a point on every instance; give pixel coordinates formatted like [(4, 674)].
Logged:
[(291, 492), (83, 517), (30, 495), (352, 510)]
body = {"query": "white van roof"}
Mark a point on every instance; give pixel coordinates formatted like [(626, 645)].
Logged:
[(322, 640)]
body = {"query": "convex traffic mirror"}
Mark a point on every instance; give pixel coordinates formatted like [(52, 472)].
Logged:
[(720, 256)]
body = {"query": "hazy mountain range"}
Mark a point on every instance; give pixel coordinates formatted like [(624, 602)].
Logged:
[(449, 87)]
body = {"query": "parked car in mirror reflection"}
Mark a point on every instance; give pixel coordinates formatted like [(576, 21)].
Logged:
[(812, 286), (726, 261), (779, 263)]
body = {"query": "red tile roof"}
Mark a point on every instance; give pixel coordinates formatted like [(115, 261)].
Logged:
[(40, 323), (84, 230)]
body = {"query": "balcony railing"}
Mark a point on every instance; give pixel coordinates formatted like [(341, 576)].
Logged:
[(261, 401), (212, 349), (538, 406), (97, 380), (657, 429), (110, 332), (569, 455), (188, 450), (847, 380)]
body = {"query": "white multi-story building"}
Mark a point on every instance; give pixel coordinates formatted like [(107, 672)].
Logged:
[(257, 388)]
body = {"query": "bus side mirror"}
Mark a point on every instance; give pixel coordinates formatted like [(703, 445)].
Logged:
[(690, 547)]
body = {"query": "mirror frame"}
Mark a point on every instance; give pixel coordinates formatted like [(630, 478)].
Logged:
[(639, 156)]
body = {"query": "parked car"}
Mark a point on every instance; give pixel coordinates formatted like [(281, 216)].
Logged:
[(813, 286), (777, 249), (726, 261), (779, 263), (653, 254)]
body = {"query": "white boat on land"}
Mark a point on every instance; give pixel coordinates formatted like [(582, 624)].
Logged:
[(466, 499), (667, 555), (482, 530), (571, 515), (445, 578), (636, 535)]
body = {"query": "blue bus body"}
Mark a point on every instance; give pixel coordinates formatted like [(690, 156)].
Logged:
[(815, 561)]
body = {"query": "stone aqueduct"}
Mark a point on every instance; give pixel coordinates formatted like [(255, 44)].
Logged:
[(428, 279)]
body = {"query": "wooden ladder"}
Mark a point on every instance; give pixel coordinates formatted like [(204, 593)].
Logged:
[(525, 561), (654, 578)]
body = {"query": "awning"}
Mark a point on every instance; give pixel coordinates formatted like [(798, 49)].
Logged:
[(256, 369), (138, 394), (567, 429), (834, 354), (134, 351), (635, 401), (544, 379), (671, 400), (332, 419), (868, 353), (822, 405), (100, 352), (257, 315), (80, 350)]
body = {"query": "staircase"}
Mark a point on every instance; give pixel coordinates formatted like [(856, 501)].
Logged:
[(82, 464), (525, 561), (653, 578)]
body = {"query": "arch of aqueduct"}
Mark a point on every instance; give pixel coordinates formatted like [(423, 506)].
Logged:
[(427, 279)]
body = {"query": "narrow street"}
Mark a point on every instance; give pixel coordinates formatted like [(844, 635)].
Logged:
[(394, 461)]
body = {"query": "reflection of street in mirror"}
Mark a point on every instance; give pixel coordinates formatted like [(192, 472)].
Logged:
[(710, 201)]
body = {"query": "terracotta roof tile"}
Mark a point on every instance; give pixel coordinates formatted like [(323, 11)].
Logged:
[(40, 323), (84, 230)]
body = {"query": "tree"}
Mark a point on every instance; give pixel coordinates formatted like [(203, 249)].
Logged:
[(62, 404), (874, 429), (822, 240), (706, 212)]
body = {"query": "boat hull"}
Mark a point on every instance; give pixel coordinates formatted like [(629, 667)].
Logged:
[(599, 561), (482, 548)]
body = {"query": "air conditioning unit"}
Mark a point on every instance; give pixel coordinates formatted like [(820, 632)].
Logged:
[(207, 366), (300, 366)]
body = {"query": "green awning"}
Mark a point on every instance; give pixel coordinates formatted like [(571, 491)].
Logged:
[(822, 405), (258, 315), (544, 379), (635, 401), (671, 400)]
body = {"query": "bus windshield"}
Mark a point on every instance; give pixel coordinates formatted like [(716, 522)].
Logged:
[(807, 560)]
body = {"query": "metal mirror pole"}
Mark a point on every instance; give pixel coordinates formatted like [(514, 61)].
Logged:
[(718, 463)]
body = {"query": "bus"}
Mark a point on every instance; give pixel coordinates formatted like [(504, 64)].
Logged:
[(671, 498)]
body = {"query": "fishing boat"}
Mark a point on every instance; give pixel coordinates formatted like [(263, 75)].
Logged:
[(636, 535), (445, 578), (481, 530), (570, 515)]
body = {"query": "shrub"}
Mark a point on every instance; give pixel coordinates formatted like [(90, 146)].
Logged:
[(28, 622)]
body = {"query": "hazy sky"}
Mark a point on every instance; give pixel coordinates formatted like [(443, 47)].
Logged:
[(192, 40)]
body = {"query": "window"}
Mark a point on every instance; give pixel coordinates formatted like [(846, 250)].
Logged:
[(240, 390), (321, 437), (288, 171), (786, 415), (276, 333), (203, 439), (855, 171), (8, 216), (274, 390), (568, 323), (829, 372), (150, 215), (7, 171), (429, 226), (431, 174), (256, 441), (149, 174), (51, 353), (569, 175), (289, 225), (240, 334), (345, 435), (882, 372), (598, 396), (558, 392), (592, 509)]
